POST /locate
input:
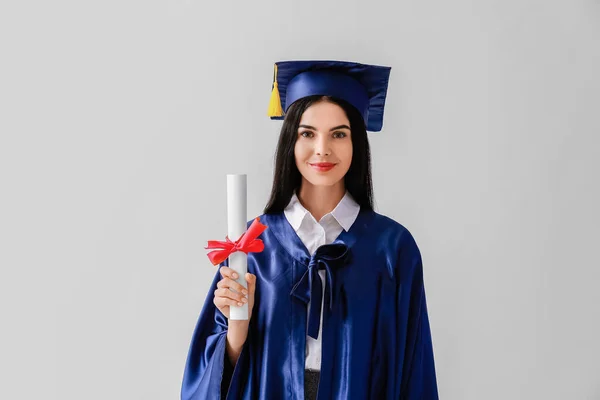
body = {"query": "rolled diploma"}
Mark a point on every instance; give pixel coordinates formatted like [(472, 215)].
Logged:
[(236, 226)]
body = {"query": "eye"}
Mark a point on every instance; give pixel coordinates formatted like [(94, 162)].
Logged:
[(341, 134), (308, 134)]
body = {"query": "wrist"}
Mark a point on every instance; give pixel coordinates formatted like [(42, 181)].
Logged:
[(237, 333)]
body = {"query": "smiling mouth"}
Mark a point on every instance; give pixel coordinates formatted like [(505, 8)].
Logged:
[(322, 166)]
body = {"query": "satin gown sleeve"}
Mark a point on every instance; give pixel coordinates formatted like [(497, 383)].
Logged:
[(418, 368), (208, 373)]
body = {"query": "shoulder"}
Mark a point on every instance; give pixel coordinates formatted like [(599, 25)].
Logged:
[(399, 246), (267, 219), (261, 218), (392, 229)]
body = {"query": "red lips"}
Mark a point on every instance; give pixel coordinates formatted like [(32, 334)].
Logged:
[(323, 166)]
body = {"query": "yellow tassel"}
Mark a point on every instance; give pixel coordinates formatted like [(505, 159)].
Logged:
[(275, 109)]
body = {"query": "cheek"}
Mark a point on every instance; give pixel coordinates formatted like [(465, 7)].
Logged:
[(299, 153), (346, 153)]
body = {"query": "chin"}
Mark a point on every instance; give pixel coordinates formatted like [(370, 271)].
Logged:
[(323, 181)]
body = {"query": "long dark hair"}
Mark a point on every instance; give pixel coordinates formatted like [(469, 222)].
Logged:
[(287, 178)]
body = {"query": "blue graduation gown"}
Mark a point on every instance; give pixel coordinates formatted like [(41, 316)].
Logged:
[(376, 340)]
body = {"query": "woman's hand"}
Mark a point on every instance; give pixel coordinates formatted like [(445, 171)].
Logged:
[(225, 297), (237, 332)]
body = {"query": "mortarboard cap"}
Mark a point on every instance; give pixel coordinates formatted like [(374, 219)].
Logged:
[(364, 86)]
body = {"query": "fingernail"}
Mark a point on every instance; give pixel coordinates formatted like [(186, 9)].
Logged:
[(234, 275), (245, 291), (240, 304), (245, 300)]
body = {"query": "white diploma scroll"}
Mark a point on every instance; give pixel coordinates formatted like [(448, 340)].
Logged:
[(236, 226)]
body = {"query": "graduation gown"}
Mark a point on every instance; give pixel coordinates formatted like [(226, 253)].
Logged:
[(376, 340)]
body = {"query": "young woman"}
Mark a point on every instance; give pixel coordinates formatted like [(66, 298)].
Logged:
[(336, 299)]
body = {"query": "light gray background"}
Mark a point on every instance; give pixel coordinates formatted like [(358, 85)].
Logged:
[(120, 119)]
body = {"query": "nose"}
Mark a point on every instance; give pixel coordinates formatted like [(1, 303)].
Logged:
[(322, 146)]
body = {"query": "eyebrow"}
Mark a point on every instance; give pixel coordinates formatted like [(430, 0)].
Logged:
[(332, 129)]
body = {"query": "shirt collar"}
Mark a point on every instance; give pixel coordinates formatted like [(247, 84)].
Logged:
[(345, 212), (295, 212)]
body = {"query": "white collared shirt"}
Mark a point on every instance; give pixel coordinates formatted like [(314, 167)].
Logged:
[(315, 234)]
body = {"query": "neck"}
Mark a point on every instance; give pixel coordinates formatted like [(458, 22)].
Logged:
[(320, 200)]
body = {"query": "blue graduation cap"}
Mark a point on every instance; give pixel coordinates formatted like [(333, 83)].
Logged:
[(364, 86)]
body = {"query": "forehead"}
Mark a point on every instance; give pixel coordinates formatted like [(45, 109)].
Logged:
[(324, 114)]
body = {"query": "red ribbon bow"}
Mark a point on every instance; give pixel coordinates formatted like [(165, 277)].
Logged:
[(248, 243)]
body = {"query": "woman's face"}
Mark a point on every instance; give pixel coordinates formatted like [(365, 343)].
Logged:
[(323, 137)]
